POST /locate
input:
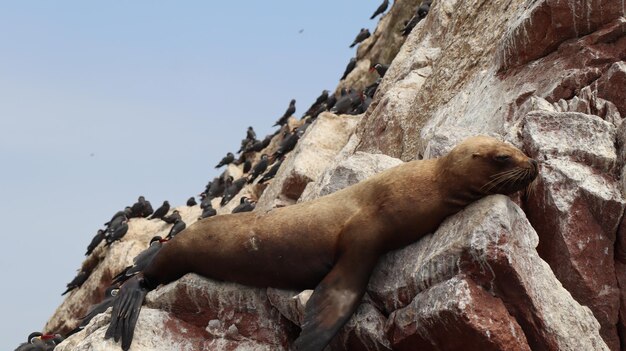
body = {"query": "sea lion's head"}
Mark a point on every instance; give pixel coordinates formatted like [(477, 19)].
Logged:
[(490, 166)]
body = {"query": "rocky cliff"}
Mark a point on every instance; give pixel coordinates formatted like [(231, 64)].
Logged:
[(542, 272)]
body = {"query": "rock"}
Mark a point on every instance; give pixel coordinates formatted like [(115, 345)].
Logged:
[(579, 137), (576, 212), (342, 174), (364, 331), (547, 23), (610, 86), (493, 244), (455, 315), (315, 150), (223, 309)]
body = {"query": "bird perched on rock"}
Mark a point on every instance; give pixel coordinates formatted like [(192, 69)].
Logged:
[(380, 69), (216, 188), (40, 342), (78, 280), (272, 172), (290, 111), (172, 218), (94, 310), (332, 100), (259, 145), (247, 166), (191, 201), (349, 68), (250, 134), (143, 259), (382, 8), (161, 211), (288, 143), (346, 103), (245, 205), (119, 232), (228, 159), (320, 100), (363, 34), (370, 90), (140, 208), (97, 239), (208, 211), (258, 168), (232, 189), (178, 227), (421, 12), (127, 212)]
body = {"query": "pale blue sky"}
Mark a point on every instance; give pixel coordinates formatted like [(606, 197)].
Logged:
[(158, 92)]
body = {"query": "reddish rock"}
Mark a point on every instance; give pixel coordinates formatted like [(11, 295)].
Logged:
[(455, 315), (580, 137), (548, 23), (225, 310), (492, 243), (611, 86), (576, 213)]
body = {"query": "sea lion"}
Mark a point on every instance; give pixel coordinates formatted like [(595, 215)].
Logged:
[(331, 243)]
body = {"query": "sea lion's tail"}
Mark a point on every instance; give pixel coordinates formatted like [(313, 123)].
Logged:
[(126, 310)]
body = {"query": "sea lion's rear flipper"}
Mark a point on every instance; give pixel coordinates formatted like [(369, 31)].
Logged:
[(335, 299), (126, 310)]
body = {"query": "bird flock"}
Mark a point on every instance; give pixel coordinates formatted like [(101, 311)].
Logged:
[(254, 173)]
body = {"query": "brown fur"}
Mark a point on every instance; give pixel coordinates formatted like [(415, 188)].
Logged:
[(333, 243)]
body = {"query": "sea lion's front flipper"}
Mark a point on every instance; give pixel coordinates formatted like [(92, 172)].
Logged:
[(336, 297), (126, 310)]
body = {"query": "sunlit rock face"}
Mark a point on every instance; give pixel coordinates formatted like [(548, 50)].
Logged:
[(541, 271)]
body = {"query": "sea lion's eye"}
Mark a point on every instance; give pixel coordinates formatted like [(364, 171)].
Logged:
[(502, 158)]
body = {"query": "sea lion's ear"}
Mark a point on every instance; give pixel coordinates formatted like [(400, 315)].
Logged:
[(476, 154)]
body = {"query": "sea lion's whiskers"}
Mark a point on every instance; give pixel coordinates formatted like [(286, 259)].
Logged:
[(496, 178)]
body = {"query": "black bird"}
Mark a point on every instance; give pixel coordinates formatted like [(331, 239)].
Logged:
[(226, 160), (216, 189), (349, 68), (290, 111), (125, 213), (382, 8), (370, 90), (208, 211), (80, 278), (178, 227), (250, 134), (288, 143), (363, 34), (322, 108), (191, 201), (118, 233), (320, 100), (95, 241), (272, 172), (259, 168), (161, 211), (247, 166), (346, 103), (172, 218), (94, 310), (332, 100), (421, 12), (40, 342), (141, 208), (259, 144), (380, 69), (232, 190), (245, 205), (141, 261)]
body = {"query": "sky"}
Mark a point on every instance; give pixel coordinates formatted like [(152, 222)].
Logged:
[(101, 102)]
